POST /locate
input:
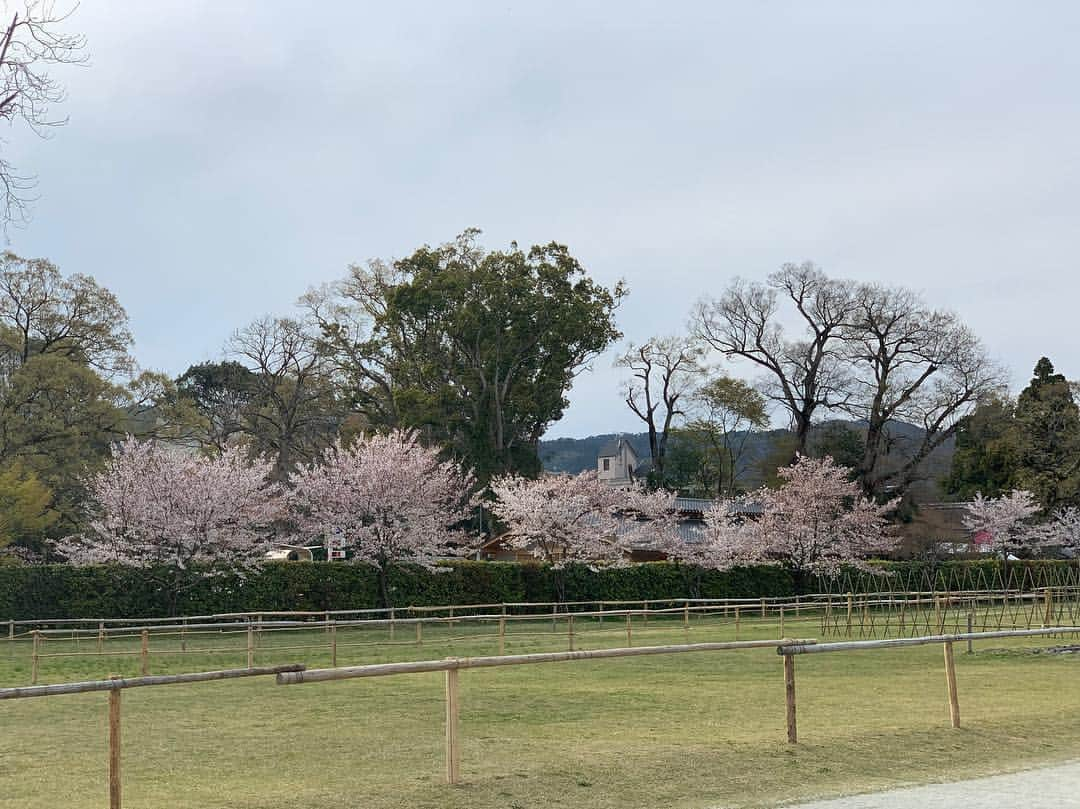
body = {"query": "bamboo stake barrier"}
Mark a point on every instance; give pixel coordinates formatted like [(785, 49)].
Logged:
[(451, 666)]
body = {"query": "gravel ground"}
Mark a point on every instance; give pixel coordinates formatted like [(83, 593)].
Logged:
[(1045, 788)]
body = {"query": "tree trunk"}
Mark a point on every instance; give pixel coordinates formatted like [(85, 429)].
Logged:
[(384, 585)]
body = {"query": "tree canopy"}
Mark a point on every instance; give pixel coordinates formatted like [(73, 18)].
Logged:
[(476, 349)]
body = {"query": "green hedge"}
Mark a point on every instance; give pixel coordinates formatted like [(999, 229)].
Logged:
[(59, 591)]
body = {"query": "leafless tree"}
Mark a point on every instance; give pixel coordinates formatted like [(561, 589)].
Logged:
[(802, 373), (915, 364), (297, 413), (663, 370), (31, 43)]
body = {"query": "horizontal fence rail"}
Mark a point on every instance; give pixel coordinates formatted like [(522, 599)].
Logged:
[(119, 683), (458, 663)]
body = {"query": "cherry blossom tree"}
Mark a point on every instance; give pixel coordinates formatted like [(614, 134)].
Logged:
[(706, 546), (168, 510), (1064, 528), (577, 519), (1008, 521), (816, 522), (389, 497)]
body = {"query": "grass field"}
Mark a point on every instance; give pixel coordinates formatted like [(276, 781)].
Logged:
[(698, 730)]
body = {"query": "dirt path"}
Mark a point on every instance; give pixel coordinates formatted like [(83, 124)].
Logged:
[(1045, 788)]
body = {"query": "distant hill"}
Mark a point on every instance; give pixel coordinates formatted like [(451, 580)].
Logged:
[(574, 455)]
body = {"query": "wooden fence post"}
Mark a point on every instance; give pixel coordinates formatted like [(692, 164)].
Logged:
[(763, 608), (419, 632), (554, 612), (114, 747), (736, 622), (950, 682), (1048, 599), (796, 606), (250, 646), (850, 607), (970, 622), (101, 637), (453, 749), (570, 631), (789, 698), (183, 636), (11, 629), (144, 652), (629, 637), (34, 658), (502, 634), (686, 618), (333, 644), (645, 611), (781, 622), (391, 623)]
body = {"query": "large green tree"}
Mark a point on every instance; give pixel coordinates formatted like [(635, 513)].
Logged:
[(1048, 420), (475, 348), (1031, 443)]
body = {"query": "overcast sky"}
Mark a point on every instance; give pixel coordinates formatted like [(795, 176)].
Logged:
[(223, 157)]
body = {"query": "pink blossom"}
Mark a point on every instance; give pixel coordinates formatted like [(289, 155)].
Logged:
[(563, 519), (1008, 521), (816, 522), (157, 505), (390, 498)]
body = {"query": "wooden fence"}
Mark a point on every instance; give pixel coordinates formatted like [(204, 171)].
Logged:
[(270, 637), (257, 637), (115, 685), (295, 674), (788, 652), (451, 666)]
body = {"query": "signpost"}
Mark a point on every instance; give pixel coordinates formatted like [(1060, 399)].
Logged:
[(335, 548)]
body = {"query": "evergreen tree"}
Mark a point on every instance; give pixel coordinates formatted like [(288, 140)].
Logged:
[(1048, 421)]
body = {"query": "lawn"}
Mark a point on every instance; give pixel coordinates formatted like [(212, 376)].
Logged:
[(695, 730)]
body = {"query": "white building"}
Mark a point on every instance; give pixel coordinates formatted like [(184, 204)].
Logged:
[(617, 463)]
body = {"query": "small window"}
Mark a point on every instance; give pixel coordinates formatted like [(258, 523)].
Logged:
[(607, 464)]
